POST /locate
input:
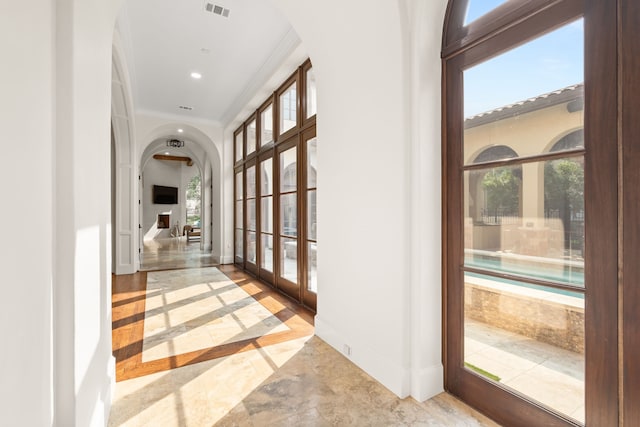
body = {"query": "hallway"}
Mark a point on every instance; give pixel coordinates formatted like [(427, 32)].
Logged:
[(203, 347), (173, 253)]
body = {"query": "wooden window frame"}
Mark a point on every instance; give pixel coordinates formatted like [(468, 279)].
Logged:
[(294, 79), (238, 170), (266, 275), (272, 149), (290, 288), (512, 24), (265, 105)]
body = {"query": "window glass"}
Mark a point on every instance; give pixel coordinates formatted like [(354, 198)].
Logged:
[(251, 247), (266, 126), (289, 214), (311, 93), (504, 96), (266, 213), (478, 8), (251, 181), (266, 252), (239, 244), (524, 222), (312, 162), (288, 170), (239, 214), (239, 146), (266, 177), (288, 109), (311, 215), (251, 137), (194, 199), (251, 214), (289, 259), (312, 265), (239, 193)]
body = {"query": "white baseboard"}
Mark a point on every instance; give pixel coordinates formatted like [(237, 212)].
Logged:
[(109, 395), (428, 383)]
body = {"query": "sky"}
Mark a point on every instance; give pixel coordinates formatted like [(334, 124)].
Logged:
[(550, 62)]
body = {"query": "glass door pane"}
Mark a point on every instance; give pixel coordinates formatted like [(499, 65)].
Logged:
[(312, 223), (266, 215), (524, 283), (251, 216), (239, 218), (288, 218)]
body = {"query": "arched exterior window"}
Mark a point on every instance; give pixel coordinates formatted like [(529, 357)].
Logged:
[(517, 242)]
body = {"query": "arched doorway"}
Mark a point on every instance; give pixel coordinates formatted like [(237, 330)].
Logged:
[(174, 245)]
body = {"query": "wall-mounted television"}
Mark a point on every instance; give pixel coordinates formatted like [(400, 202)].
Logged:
[(165, 195)]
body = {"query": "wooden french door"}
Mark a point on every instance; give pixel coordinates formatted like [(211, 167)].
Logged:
[(309, 258), (531, 211), (287, 221)]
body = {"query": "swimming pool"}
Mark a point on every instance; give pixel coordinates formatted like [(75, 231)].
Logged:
[(556, 270)]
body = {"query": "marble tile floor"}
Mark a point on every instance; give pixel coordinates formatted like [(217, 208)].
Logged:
[(193, 309), (173, 253), (548, 374), (302, 382), (278, 379)]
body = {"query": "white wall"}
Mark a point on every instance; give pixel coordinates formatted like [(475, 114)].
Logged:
[(378, 277), (368, 256), (83, 363), (168, 174), (26, 86)]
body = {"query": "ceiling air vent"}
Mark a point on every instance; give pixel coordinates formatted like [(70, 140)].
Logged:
[(216, 9), (184, 107)]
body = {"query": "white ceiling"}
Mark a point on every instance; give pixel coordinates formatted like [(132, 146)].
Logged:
[(165, 39)]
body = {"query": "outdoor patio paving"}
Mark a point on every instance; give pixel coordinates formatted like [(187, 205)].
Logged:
[(548, 374)]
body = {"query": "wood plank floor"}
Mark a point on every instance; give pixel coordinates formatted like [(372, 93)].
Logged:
[(129, 293)]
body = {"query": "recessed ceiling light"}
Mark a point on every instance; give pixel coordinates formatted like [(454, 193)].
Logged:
[(180, 130), (196, 75), (166, 153)]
